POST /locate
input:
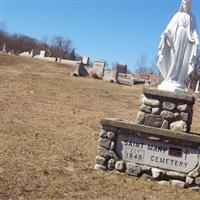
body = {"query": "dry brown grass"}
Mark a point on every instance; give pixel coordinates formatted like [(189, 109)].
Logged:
[(49, 133)]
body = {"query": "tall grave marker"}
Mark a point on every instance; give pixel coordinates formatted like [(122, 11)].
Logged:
[(98, 67)]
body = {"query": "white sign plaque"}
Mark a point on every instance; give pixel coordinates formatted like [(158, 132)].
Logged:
[(157, 154)]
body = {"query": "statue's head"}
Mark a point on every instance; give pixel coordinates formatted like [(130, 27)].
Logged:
[(186, 6)]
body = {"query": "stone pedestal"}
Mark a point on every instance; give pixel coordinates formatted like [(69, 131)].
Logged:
[(166, 156), (148, 148), (167, 110)]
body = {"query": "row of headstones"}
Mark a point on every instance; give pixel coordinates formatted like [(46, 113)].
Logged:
[(52, 59), (106, 74), (99, 71), (43, 57), (119, 75), (83, 69)]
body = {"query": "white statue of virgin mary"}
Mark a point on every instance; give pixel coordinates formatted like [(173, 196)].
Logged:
[(178, 49)]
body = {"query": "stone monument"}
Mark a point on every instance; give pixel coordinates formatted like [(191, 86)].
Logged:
[(42, 53), (177, 53), (98, 67), (160, 145), (85, 60), (4, 48), (120, 69)]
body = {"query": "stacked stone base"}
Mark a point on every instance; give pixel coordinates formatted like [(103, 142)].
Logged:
[(166, 110), (115, 136)]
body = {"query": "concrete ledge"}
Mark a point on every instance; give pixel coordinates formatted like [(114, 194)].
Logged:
[(185, 137), (174, 95)]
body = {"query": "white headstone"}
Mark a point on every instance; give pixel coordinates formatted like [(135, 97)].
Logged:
[(42, 53), (32, 53), (70, 62), (25, 54), (4, 47), (98, 67), (85, 60), (109, 75)]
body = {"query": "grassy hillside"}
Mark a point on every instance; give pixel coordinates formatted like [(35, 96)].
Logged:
[(49, 134)]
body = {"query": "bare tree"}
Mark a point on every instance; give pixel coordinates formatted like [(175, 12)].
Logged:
[(114, 65), (4, 38), (61, 47), (142, 64), (195, 75), (3, 35), (20, 43), (45, 45), (58, 46), (71, 56)]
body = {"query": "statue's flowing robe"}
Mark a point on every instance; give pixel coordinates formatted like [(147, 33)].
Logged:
[(178, 48)]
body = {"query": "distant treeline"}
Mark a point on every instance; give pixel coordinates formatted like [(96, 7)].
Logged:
[(56, 46)]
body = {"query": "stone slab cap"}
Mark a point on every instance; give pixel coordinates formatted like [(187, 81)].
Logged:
[(167, 94), (151, 130)]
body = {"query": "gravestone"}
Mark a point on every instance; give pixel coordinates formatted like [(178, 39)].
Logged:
[(51, 59), (141, 78), (120, 69), (81, 70), (109, 75), (125, 79), (26, 54), (32, 52), (4, 48), (42, 54), (85, 60), (58, 60), (73, 63), (98, 68)]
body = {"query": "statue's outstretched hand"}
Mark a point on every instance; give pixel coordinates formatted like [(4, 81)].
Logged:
[(197, 41), (194, 40)]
